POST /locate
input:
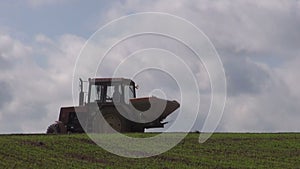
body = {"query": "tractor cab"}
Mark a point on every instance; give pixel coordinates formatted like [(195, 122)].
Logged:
[(110, 90)]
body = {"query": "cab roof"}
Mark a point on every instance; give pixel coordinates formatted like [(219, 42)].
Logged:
[(109, 80)]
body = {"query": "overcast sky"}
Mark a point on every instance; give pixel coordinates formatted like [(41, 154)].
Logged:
[(258, 43)]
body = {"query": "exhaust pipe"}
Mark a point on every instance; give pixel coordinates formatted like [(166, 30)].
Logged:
[(81, 93)]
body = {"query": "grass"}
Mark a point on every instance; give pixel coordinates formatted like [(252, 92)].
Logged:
[(222, 150)]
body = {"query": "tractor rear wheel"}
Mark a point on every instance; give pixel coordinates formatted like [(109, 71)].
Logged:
[(53, 129)]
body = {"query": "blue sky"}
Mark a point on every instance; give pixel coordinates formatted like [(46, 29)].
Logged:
[(52, 18), (258, 43)]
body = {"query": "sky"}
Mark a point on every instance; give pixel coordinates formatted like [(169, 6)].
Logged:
[(257, 41)]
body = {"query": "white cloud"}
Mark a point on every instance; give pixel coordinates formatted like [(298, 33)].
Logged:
[(258, 42), (36, 91), (12, 49), (288, 72), (40, 38)]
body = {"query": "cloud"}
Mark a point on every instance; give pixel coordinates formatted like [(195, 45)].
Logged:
[(31, 93), (5, 95), (11, 49), (246, 26), (288, 72), (258, 42), (273, 110), (245, 76)]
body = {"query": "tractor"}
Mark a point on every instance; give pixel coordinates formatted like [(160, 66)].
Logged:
[(113, 102)]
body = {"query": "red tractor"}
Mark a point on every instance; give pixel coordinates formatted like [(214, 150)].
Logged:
[(115, 99)]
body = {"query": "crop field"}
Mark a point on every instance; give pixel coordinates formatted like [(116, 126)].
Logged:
[(222, 150)]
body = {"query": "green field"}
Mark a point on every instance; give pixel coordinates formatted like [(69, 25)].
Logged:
[(220, 151)]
